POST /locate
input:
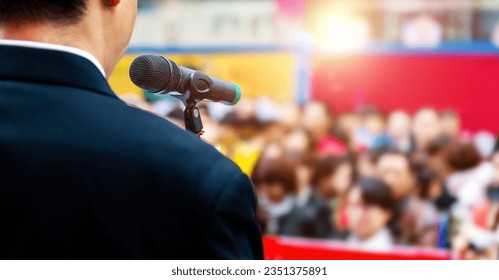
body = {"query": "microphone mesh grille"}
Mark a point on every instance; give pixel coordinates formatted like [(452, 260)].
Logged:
[(155, 74)]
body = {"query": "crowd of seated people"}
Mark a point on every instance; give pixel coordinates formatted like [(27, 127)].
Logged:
[(370, 179)]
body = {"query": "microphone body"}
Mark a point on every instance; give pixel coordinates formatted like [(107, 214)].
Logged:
[(160, 75)]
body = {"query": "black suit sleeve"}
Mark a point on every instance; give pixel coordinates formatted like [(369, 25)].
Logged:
[(232, 230)]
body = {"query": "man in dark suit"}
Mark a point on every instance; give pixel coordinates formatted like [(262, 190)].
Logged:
[(83, 175)]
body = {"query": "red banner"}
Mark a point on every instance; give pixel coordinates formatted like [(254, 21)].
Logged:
[(277, 248), (468, 84)]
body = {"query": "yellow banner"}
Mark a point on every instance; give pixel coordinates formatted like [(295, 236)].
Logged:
[(258, 74)]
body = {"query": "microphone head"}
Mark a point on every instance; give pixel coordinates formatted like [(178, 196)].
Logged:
[(155, 74)]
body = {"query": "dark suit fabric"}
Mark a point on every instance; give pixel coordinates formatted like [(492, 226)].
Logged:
[(85, 176)]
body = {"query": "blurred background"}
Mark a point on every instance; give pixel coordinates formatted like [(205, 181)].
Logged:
[(368, 127)]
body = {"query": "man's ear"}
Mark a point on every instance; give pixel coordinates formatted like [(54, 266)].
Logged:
[(112, 3)]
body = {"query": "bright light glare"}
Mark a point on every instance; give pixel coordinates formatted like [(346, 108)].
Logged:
[(344, 34)]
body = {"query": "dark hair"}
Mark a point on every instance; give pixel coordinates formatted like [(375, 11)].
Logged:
[(326, 167), (376, 192), (281, 171), (18, 12), (438, 145), (308, 160), (424, 178), (462, 156)]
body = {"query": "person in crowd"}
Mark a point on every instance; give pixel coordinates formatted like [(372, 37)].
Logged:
[(371, 206), (473, 243), (311, 216), (290, 115), (426, 128), (298, 142), (332, 179), (318, 121), (428, 185), (479, 239), (372, 126), (276, 190), (269, 124), (365, 163), (417, 219), (346, 127), (486, 214), (450, 122), (212, 132), (251, 133), (437, 157), (469, 174), (270, 153), (484, 142), (437, 163), (399, 131)]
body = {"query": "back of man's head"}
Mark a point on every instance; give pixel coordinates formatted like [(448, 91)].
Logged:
[(100, 27), (20, 12)]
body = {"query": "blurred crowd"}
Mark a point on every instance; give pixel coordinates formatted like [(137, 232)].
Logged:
[(372, 179)]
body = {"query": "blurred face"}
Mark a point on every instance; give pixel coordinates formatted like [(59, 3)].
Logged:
[(245, 109), (394, 170), (272, 151), (375, 124), (297, 142), (435, 190), (365, 168), (303, 175), (290, 115), (316, 120), (342, 179), (437, 162), (338, 183), (451, 126), (274, 192), (349, 123), (426, 127), (399, 125), (365, 220)]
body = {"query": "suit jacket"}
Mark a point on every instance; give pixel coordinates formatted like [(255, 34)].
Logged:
[(85, 176)]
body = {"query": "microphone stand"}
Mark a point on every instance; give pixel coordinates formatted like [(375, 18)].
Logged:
[(199, 88), (192, 118)]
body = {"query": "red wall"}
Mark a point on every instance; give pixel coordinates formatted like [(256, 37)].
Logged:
[(468, 84)]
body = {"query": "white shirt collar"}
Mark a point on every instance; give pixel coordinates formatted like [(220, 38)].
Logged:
[(47, 46)]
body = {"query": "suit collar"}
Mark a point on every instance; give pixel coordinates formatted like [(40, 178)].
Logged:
[(51, 66), (61, 48)]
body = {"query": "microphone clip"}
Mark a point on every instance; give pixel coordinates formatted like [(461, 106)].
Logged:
[(199, 86)]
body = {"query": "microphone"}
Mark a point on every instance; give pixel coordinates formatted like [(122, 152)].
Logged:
[(161, 75)]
